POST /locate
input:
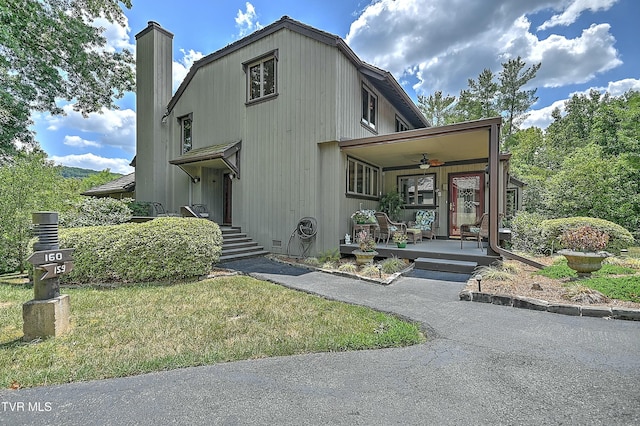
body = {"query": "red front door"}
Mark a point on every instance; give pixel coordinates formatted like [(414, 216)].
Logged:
[(466, 199)]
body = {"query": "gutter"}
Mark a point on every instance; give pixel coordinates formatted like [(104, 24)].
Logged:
[(494, 156)]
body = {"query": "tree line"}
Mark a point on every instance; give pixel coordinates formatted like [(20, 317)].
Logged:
[(585, 163)]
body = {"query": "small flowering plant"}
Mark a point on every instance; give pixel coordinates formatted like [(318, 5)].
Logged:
[(365, 241), (399, 237), (584, 239)]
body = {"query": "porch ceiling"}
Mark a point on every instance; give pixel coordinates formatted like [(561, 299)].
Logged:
[(462, 142)]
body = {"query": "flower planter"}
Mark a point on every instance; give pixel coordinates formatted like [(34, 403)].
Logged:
[(364, 257), (402, 245), (584, 263)]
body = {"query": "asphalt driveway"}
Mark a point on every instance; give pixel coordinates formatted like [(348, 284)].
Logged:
[(483, 364)]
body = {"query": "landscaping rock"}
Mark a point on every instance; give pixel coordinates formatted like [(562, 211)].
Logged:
[(481, 297), (564, 309), (596, 311), (503, 300), (530, 303), (626, 314)]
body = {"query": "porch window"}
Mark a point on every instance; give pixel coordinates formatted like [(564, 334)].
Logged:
[(369, 108), (362, 178), (186, 133), (418, 190), (261, 77)]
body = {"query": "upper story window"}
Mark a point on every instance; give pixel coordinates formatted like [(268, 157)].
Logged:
[(362, 178), (369, 108), (262, 77), (418, 190), (401, 126), (186, 133)]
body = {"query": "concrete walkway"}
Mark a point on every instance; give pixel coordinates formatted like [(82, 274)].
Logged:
[(483, 364)]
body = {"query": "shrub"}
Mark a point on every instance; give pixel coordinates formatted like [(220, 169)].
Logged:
[(527, 233), (348, 267), (370, 271), (141, 208), (392, 265), (552, 229), (96, 211), (312, 261), (166, 248)]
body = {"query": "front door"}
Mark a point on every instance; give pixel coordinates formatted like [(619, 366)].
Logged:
[(226, 199), (466, 200)]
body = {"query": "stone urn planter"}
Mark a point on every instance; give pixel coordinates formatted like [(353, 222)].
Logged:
[(364, 257), (584, 263)]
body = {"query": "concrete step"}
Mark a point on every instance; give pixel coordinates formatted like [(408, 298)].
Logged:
[(445, 265), (239, 244), (235, 256)]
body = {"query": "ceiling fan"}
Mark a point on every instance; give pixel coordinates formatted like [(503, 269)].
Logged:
[(425, 162)]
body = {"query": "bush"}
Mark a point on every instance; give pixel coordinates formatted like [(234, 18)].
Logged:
[(527, 235), (552, 230), (392, 265), (533, 234), (95, 212), (166, 248)]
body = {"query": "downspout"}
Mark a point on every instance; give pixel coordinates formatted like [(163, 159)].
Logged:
[(494, 159)]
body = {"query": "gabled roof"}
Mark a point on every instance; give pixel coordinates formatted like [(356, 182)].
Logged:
[(126, 183), (382, 80)]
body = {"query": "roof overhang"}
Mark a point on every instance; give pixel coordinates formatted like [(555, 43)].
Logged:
[(223, 156), (460, 143)]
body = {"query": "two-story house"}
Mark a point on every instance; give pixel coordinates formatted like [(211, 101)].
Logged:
[(288, 122)]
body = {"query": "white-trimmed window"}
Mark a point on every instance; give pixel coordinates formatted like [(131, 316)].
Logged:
[(186, 133), (418, 190), (262, 77), (401, 126), (362, 178), (369, 108)]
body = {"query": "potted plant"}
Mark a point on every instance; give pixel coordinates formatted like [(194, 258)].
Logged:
[(400, 239), (584, 249), (366, 248), (363, 216)]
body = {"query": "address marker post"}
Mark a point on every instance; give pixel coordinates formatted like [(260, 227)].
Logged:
[(48, 313)]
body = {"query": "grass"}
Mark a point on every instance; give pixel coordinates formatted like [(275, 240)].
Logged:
[(142, 328), (607, 280)]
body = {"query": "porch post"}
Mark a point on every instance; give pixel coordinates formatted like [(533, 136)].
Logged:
[(494, 159)]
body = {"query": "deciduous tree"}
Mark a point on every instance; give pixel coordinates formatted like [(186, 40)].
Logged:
[(52, 50)]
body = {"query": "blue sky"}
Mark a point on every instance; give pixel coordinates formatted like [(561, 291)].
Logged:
[(428, 45)]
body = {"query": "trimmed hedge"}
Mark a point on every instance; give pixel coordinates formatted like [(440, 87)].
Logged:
[(533, 234), (619, 238), (166, 248)]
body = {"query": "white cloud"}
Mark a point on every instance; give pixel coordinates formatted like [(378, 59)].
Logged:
[(116, 128), (442, 50), (542, 117), (117, 35), (77, 141), (182, 66), (573, 11), (620, 87), (246, 22), (94, 162)]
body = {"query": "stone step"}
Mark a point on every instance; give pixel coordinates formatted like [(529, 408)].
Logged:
[(235, 256), (239, 244), (445, 265)]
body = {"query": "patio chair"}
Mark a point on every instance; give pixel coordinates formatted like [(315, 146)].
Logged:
[(187, 211), (158, 210), (427, 222), (387, 227), (201, 209), (476, 231)]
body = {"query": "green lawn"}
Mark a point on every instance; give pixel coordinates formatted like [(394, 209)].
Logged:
[(141, 328), (625, 285)]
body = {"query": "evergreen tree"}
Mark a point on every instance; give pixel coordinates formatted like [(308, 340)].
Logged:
[(513, 100), (436, 108)]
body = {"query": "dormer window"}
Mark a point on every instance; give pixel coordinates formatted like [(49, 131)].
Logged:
[(262, 77), (369, 108)]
